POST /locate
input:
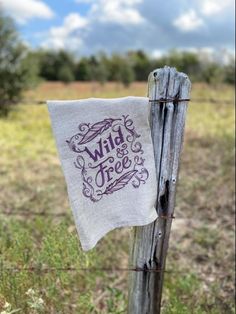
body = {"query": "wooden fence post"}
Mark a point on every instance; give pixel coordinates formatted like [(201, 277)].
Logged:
[(150, 243)]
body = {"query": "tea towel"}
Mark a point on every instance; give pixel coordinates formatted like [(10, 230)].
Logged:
[(106, 153)]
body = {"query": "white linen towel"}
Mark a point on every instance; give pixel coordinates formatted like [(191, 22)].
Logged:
[(106, 154)]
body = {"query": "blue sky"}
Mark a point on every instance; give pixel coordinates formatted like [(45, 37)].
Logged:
[(89, 26)]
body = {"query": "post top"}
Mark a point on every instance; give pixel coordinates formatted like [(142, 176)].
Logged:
[(168, 83)]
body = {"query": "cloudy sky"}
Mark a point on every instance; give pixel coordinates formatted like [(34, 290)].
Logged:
[(88, 26)]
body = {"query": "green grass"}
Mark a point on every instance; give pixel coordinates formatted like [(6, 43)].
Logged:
[(202, 238)]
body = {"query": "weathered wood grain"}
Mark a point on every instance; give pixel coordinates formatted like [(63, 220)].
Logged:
[(150, 243)]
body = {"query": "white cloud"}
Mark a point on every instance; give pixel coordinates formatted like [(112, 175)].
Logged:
[(122, 12), (188, 21), (157, 53), (24, 10), (70, 34), (66, 36), (213, 7), (210, 7), (71, 23), (121, 25), (205, 54)]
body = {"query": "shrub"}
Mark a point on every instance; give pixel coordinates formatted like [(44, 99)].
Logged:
[(17, 67)]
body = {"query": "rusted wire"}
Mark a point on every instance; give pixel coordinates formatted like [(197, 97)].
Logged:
[(161, 100), (166, 100), (167, 216)]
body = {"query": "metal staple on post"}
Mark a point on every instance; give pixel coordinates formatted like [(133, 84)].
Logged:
[(150, 243)]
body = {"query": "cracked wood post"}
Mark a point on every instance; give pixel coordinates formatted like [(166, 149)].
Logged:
[(150, 243)]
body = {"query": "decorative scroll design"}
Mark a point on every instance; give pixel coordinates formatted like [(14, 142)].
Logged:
[(120, 182), (88, 189), (102, 175)]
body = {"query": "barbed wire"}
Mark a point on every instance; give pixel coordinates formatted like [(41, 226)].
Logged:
[(43, 102), (60, 214), (75, 269), (25, 214), (68, 214), (46, 270), (64, 214)]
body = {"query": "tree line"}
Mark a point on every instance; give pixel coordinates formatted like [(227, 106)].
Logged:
[(21, 68), (129, 67)]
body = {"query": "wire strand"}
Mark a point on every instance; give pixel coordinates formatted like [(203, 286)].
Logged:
[(62, 214), (163, 100), (103, 269), (166, 100)]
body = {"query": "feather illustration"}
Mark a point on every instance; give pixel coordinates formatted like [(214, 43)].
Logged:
[(96, 129), (120, 182)]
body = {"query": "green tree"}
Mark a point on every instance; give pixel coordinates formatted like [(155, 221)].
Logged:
[(141, 64), (57, 66), (120, 70), (212, 73), (66, 67), (126, 74), (65, 74), (17, 68), (82, 72), (48, 69), (229, 72), (93, 68), (183, 61), (102, 70)]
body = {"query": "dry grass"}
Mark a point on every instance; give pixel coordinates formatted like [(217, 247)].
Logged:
[(202, 238)]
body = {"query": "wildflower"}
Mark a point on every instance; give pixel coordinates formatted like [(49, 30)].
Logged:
[(8, 309), (30, 292), (7, 305), (35, 302)]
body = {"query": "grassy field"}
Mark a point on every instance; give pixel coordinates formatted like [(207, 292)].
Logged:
[(201, 251)]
